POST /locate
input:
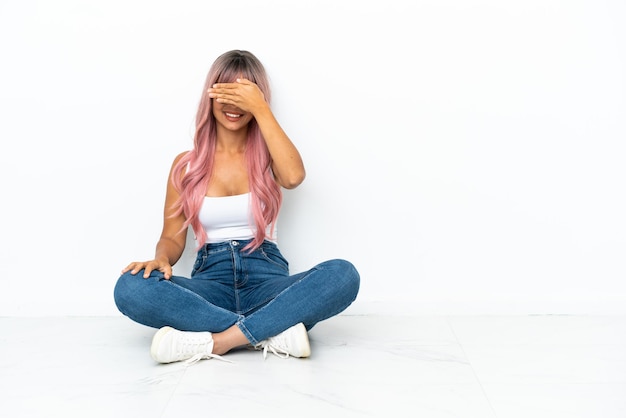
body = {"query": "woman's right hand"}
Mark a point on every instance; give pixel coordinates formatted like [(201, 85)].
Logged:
[(148, 266), (173, 237)]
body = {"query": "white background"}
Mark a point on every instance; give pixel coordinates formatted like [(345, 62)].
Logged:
[(467, 156)]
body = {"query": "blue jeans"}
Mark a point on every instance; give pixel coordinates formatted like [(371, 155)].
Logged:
[(230, 286)]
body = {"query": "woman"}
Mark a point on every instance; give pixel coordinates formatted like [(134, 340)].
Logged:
[(228, 190)]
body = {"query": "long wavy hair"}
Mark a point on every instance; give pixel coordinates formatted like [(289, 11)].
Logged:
[(266, 194)]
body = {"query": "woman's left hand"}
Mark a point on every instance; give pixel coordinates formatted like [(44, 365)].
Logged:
[(244, 94)]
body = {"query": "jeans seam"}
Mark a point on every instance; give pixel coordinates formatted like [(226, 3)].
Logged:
[(246, 332)]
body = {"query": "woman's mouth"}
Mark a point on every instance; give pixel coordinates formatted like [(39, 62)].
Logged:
[(232, 116)]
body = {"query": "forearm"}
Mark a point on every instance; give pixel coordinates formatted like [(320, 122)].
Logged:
[(287, 162), (169, 250)]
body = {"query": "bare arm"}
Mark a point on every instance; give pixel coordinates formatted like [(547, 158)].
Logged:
[(171, 244), (287, 163)]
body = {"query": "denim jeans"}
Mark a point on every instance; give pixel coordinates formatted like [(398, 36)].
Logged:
[(230, 286)]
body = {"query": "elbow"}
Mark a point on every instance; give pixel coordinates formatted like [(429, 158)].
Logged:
[(294, 180)]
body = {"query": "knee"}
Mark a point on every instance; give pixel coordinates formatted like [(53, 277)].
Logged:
[(346, 275), (124, 290)]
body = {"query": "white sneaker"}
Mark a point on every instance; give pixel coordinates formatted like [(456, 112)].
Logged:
[(291, 342), (170, 345)]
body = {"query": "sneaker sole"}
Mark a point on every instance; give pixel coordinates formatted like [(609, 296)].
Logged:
[(156, 340)]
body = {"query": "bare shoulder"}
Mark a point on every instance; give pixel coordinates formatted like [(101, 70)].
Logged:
[(174, 169), (179, 156), (177, 159)]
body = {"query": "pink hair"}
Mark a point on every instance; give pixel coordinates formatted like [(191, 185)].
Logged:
[(266, 194)]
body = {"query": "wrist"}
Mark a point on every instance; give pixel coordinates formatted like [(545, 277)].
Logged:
[(262, 111)]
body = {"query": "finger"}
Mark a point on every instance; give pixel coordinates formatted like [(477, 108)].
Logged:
[(167, 272), (146, 273), (133, 268), (223, 100), (221, 96), (224, 86)]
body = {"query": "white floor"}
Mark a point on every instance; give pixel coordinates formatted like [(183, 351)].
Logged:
[(361, 366)]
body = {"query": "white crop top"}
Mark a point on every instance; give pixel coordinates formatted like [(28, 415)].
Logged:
[(228, 218)]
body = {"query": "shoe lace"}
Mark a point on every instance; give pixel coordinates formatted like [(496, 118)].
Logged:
[(276, 345), (200, 356), (200, 348)]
